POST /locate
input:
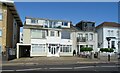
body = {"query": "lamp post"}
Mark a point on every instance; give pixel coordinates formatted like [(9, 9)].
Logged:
[(108, 39)]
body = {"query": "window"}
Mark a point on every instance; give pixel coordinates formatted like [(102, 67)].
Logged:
[(1, 16), (66, 48), (34, 21), (39, 48), (112, 44), (43, 34), (118, 33), (65, 23), (86, 35), (58, 24), (50, 24), (112, 33), (52, 33), (0, 33), (108, 32), (65, 34), (80, 37), (91, 36), (38, 34)]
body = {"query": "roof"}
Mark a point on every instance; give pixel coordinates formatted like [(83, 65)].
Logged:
[(46, 19), (86, 21), (14, 12), (108, 24)]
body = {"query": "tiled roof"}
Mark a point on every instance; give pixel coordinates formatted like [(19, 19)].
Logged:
[(108, 24)]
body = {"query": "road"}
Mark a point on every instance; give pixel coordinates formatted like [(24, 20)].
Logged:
[(69, 67)]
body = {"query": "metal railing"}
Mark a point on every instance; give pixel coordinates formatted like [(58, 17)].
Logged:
[(81, 39)]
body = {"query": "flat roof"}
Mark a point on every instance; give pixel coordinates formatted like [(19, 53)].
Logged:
[(14, 12), (46, 19)]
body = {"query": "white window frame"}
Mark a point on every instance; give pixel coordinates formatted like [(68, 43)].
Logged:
[(112, 33), (91, 36), (41, 31), (108, 32), (35, 21), (52, 33), (66, 48), (86, 36), (40, 48)]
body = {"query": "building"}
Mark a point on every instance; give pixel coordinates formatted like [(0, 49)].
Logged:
[(46, 37), (108, 35), (86, 25), (10, 24), (86, 35)]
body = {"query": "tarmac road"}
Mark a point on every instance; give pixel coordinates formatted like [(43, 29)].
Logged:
[(68, 67)]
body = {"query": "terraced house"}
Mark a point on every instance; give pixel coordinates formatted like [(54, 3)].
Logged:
[(46, 37), (10, 24)]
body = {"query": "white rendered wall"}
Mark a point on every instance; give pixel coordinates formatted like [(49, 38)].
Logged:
[(105, 43)]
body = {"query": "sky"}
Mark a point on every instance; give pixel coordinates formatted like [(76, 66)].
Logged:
[(72, 11)]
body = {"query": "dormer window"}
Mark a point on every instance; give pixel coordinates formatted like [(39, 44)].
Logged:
[(65, 23), (34, 21)]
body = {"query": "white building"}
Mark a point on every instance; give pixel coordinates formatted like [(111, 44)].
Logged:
[(86, 36), (45, 37), (108, 30)]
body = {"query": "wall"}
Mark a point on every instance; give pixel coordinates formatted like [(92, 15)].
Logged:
[(1, 25), (4, 27), (100, 36), (26, 36), (9, 35)]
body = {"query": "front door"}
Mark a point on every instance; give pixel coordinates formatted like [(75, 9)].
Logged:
[(53, 50)]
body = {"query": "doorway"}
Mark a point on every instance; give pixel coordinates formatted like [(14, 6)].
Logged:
[(53, 49), (24, 51)]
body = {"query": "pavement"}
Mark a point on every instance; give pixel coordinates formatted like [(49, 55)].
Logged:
[(55, 61)]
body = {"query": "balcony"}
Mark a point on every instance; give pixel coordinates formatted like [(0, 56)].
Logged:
[(81, 39)]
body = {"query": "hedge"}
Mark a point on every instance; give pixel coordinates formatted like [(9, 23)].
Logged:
[(106, 50), (86, 49)]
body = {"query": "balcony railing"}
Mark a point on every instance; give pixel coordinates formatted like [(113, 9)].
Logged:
[(81, 39)]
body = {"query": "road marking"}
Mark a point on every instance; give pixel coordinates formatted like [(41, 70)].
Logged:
[(7, 70), (83, 67), (108, 66), (29, 69), (61, 68)]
